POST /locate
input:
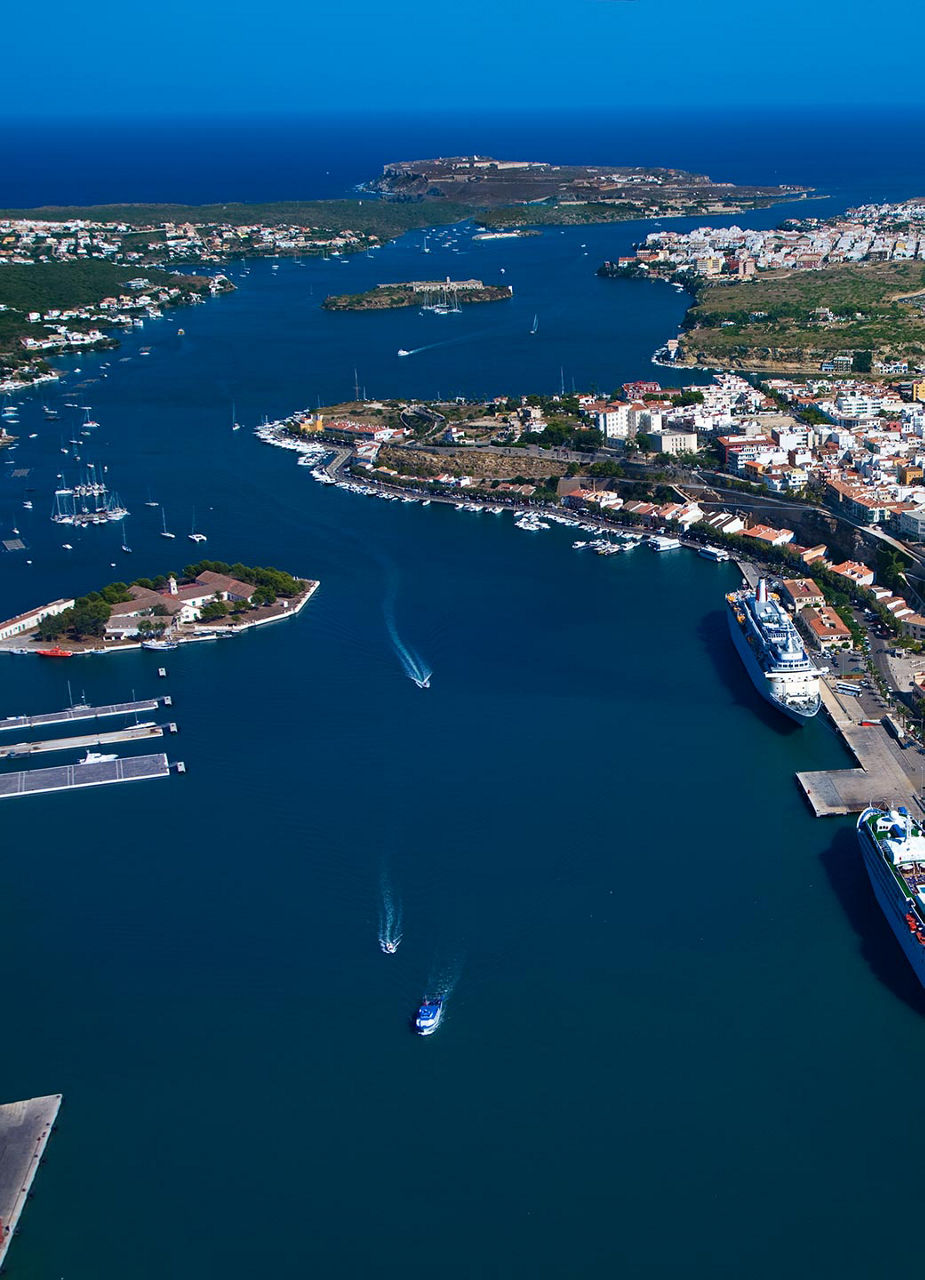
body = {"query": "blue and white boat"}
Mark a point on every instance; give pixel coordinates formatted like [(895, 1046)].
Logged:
[(773, 653), (893, 849), (428, 1016)]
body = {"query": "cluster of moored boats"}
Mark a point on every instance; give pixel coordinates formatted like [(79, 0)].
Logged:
[(86, 503)]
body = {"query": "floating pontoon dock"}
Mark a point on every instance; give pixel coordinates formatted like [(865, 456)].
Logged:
[(131, 733), (79, 713), (68, 777)]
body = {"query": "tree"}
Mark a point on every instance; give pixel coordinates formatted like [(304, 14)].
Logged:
[(214, 610), (861, 362), (891, 566)]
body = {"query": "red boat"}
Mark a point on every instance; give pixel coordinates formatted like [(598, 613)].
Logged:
[(56, 652)]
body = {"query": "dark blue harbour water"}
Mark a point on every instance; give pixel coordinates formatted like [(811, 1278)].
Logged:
[(673, 1002)]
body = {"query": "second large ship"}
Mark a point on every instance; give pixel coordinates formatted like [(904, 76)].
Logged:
[(893, 847), (774, 655)]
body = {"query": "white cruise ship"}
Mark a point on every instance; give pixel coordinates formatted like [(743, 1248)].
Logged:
[(773, 653), (893, 848)]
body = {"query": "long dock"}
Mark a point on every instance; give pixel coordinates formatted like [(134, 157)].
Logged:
[(879, 779), (132, 733), (78, 713), (25, 1128), (69, 777)]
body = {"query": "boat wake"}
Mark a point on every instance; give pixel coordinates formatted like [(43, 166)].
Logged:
[(445, 342), (443, 979), (390, 918), (413, 665)]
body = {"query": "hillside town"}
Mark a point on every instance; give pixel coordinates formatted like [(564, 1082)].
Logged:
[(72, 328), (27, 240), (851, 448), (871, 233)]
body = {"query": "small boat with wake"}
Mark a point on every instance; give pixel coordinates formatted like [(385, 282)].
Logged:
[(427, 1018), (390, 945)]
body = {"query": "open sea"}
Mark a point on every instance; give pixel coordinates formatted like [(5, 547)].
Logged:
[(674, 1009)]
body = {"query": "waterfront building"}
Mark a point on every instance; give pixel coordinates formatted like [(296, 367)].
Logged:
[(801, 592), (825, 628), (860, 574), (27, 621), (766, 533)]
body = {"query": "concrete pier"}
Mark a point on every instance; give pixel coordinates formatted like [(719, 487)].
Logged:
[(69, 777), (132, 733), (77, 713), (886, 774), (25, 1128)]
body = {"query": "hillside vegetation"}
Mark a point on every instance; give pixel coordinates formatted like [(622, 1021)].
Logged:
[(795, 319)]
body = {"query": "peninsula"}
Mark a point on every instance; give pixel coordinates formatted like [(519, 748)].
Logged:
[(528, 192), (429, 295)]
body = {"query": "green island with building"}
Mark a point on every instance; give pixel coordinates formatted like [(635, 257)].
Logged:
[(430, 295), (206, 599)]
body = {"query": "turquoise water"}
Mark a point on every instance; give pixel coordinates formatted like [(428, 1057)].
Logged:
[(673, 1003)]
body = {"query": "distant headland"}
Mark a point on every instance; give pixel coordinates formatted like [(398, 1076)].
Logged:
[(568, 193)]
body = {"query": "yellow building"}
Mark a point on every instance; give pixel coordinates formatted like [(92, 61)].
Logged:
[(311, 424)]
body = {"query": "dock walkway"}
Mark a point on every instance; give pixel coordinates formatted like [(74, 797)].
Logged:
[(69, 777), (25, 1128), (131, 733), (77, 713)]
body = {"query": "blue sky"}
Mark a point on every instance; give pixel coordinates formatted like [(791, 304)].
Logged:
[(237, 57)]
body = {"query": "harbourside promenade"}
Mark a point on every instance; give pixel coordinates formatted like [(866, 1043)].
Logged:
[(25, 1128)]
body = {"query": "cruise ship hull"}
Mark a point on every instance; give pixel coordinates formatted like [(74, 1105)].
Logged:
[(892, 900), (758, 677)]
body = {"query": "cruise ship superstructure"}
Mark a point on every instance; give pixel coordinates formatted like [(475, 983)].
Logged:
[(893, 848), (774, 655)]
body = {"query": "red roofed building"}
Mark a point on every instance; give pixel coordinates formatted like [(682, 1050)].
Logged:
[(825, 628), (764, 533), (860, 574)]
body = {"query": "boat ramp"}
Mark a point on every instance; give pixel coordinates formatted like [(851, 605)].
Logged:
[(25, 1128)]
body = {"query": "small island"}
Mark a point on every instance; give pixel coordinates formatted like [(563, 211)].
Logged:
[(429, 295), (207, 599)]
